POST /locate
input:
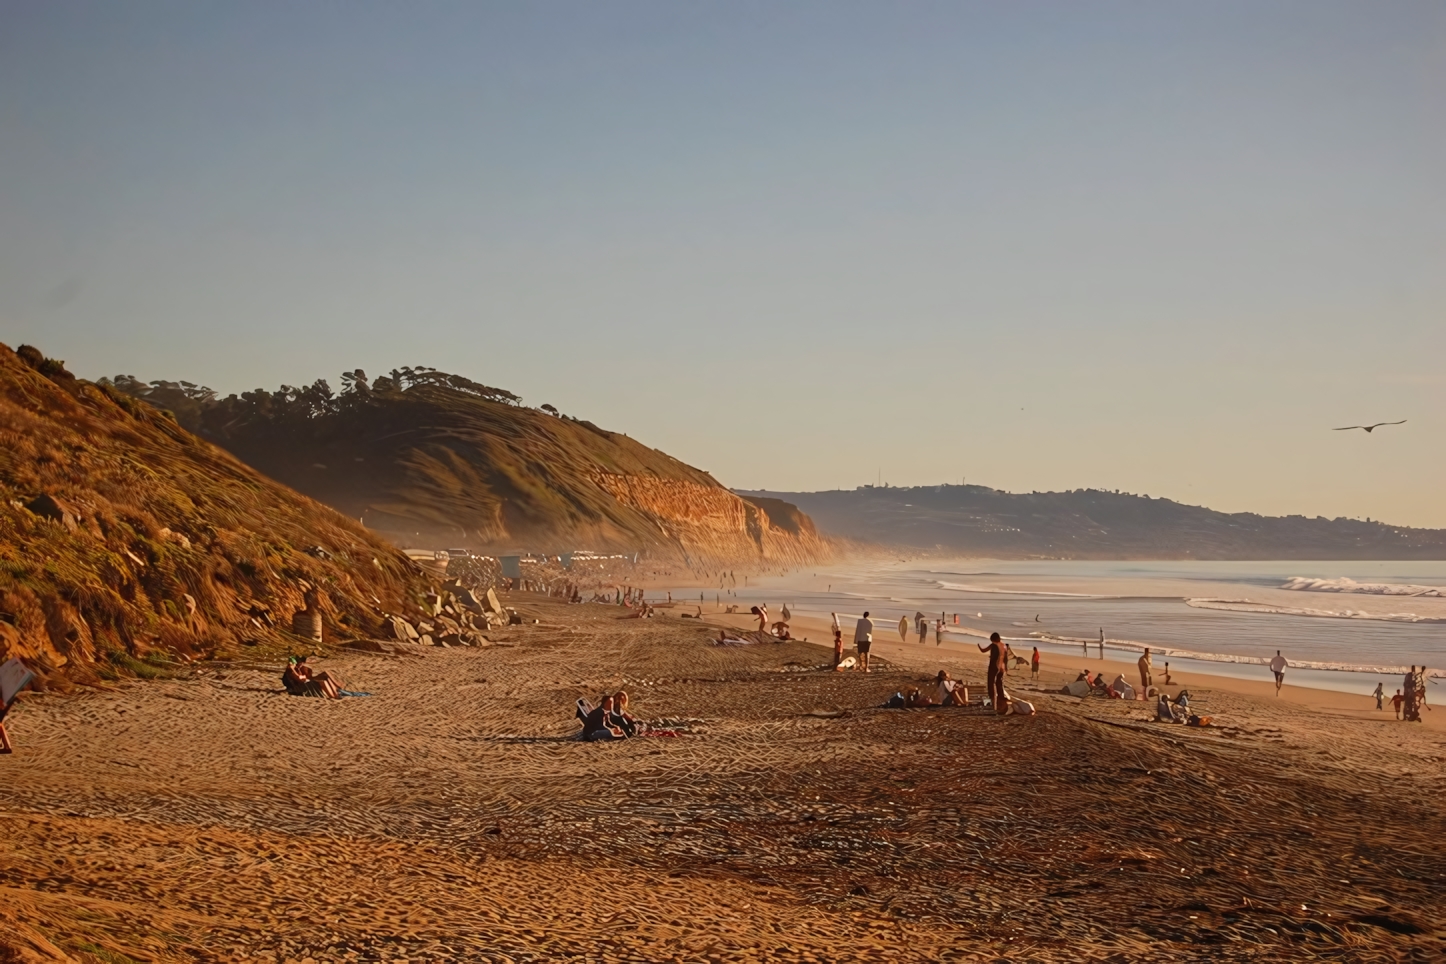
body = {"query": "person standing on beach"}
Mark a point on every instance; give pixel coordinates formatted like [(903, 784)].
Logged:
[(1146, 665), (939, 631), (1380, 695), (863, 640), (1034, 664), (1102, 643), (997, 665), (1277, 666)]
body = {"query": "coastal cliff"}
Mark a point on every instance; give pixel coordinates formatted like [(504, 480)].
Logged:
[(433, 460), (129, 546)]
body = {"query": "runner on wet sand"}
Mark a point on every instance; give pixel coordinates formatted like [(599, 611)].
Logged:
[(1277, 666)]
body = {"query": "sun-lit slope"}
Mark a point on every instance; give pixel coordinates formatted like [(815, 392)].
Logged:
[(125, 539), (1089, 523), (431, 459)]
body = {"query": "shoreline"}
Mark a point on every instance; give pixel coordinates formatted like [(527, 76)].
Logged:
[(1061, 668), (1150, 608)]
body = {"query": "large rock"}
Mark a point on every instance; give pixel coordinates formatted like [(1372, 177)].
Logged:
[(55, 509)]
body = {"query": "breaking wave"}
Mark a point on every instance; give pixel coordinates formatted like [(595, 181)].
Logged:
[(1250, 606), (1307, 584)]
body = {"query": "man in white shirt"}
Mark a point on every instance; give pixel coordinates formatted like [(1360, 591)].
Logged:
[(863, 639), (1277, 666)]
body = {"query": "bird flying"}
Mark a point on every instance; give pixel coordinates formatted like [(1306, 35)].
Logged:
[(1368, 428)]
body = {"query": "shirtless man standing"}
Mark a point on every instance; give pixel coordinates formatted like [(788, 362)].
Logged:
[(997, 666)]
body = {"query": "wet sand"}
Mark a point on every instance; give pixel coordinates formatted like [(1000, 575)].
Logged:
[(1059, 668), (453, 816)]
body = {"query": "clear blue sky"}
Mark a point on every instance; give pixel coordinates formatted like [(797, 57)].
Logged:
[(1156, 247)]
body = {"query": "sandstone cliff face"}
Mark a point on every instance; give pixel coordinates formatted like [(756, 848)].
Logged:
[(711, 524)]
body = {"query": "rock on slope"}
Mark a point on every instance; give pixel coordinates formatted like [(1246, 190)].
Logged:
[(125, 541), (432, 459)]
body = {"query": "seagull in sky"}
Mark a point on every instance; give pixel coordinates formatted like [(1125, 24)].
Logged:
[(1368, 428)]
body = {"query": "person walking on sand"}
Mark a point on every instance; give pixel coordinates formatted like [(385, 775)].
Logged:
[(1146, 678), (997, 666), (1034, 664), (1397, 701), (863, 640), (1380, 695), (1277, 666)]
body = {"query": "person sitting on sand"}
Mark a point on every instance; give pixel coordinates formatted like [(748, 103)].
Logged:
[(948, 691), (597, 726), (330, 685), (621, 719), (299, 680)]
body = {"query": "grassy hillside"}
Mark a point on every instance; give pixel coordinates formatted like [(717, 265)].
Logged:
[(1088, 523), (126, 542), (432, 460)]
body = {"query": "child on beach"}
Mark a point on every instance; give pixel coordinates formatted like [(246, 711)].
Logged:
[(1396, 701)]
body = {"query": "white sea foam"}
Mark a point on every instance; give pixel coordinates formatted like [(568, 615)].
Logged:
[(1307, 584), (1166, 652), (1250, 606), (962, 587)]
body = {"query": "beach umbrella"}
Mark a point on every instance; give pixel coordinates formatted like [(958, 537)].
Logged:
[(786, 614), (904, 628), (835, 621)]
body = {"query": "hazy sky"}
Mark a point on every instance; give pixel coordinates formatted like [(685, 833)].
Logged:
[(1159, 247)]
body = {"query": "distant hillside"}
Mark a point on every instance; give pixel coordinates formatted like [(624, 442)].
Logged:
[(1092, 524), (126, 542), (431, 459)]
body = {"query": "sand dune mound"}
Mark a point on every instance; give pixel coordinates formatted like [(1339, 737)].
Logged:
[(128, 544)]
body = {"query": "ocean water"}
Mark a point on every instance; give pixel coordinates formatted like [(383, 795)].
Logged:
[(1342, 625)]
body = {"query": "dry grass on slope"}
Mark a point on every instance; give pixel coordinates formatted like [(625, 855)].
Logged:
[(148, 544)]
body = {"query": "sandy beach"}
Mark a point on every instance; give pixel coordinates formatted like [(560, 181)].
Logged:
[(453, 815)]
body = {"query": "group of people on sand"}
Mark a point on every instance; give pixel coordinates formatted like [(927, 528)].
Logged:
[(944, 691), (609, 720)]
